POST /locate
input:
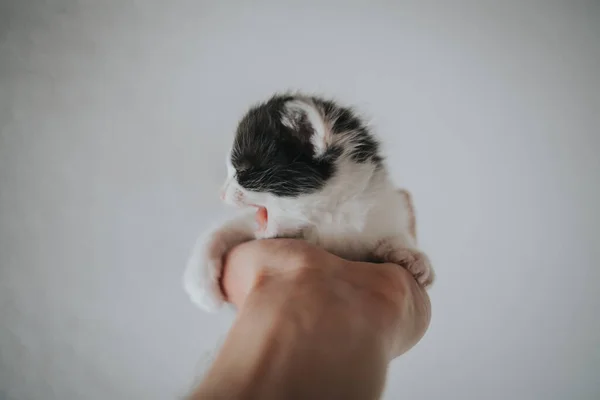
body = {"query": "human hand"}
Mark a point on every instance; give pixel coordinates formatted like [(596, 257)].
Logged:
[(384, 297)]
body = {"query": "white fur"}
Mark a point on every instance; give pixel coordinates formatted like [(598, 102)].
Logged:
[(358, 215), (306, 107)]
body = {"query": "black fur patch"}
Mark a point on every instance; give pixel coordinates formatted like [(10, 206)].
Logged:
[(269, 156), (366, 147)]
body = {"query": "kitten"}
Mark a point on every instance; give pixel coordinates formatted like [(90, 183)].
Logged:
[(316, 168)]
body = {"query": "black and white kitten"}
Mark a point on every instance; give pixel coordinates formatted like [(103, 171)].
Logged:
[(316, 168)]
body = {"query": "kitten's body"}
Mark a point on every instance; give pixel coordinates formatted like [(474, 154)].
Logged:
[(317, 169)]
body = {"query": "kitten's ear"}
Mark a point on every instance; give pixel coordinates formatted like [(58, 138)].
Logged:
[(301, 114)]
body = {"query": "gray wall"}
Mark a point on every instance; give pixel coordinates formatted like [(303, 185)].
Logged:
[(115, 118)]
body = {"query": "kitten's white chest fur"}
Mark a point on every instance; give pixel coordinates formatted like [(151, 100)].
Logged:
[(361, 223), (358, 209)]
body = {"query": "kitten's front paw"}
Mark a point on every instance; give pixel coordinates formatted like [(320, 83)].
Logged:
[(415, 261), (202, 275)]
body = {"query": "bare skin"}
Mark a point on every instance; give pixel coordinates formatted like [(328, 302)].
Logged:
[(311, 325)]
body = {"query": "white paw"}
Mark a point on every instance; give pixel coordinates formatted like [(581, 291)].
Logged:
[(202, 275), (421, 269), (415, 261)]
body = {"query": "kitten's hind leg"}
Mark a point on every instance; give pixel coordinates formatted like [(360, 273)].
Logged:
[(399, 251), (410, 209), (202, 275)]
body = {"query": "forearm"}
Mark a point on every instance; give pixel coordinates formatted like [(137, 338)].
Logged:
[(298, 338)]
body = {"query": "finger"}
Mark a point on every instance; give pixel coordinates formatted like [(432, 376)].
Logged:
[(414, 315), (403, 306), (239, 272)]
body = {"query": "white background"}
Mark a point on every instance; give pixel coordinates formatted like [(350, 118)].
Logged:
[(115, 117)]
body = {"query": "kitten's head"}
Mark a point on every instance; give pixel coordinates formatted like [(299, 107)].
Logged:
[(296, 147)]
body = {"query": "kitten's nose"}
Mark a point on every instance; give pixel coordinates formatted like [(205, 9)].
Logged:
[(222, 195)]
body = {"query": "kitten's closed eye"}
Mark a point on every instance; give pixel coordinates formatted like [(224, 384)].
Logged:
[(242, 166)]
